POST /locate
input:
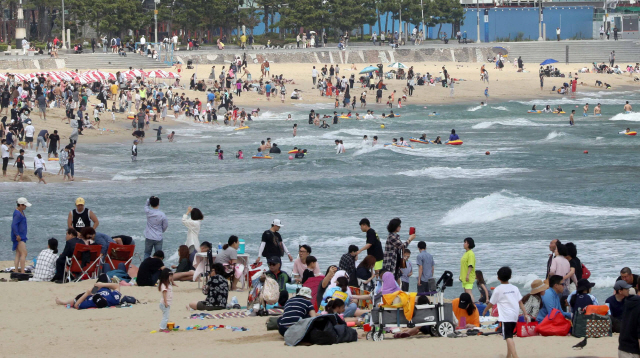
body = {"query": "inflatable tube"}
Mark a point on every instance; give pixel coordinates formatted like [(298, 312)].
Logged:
[(631, 133), (415, 140), (394, 116), (345, 117), (54, 159), (22, 143), (433, 114), (295, 151), (131, 117), (556, 112), (265, 157), (531, 111), (241, 128), (454, 142)]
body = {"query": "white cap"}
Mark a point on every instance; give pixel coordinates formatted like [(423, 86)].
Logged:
[(24, 201), (275, 222)]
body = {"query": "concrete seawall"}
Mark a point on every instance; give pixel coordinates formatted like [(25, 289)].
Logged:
[(24, 63), (363, 56)]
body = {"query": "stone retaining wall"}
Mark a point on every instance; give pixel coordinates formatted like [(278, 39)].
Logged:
[(7, 64), (460, 54)]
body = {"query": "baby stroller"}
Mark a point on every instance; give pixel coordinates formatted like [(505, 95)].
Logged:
[(190, 64), (437, 315)]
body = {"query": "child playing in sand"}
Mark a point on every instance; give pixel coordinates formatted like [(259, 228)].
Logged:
[(508, 299), (166, 289), (170, 136)]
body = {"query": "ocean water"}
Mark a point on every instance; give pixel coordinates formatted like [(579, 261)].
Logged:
[(536, 185)]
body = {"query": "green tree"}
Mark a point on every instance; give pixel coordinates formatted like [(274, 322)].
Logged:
[(349, 14), (310, 14)]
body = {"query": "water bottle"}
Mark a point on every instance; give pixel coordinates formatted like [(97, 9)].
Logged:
[(219, 247)]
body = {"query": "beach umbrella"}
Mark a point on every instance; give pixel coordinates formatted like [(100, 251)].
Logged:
[(369, 69), (158, 74), (20, 77), (173, 75), (548, 62), (397, 65), (500, 51)]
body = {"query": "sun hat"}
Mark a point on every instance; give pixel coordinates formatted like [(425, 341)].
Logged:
[(538, 286), (305, 292), (23, 201)]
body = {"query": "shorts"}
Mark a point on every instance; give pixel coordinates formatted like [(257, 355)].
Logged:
[(38, 173), (507, 329), (266, 69), (467, 286), (623, 354), (20, 170), (268, 94), (202, 306), (42, 109), (67, 169), (28, 139), (378, 265), (42, 142), (53, 150)]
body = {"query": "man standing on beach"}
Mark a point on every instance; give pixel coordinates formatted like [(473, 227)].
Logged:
[(373, 245), (552, 248), (272, 244), (426, 267), (314, 76), (612, 58), (157, 224), (558, 33), (82, 217)]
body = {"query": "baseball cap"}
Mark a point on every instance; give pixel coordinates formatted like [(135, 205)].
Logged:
[(80, 201), (465, 301), (305, 292), (274, 260), (277, 222), (584, 284), (621, 285), (24, 201), (100, 301)]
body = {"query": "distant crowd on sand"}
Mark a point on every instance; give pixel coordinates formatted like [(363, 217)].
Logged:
[(385, 269)]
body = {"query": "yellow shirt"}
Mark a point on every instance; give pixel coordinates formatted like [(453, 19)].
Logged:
[(243, 38), (114, 89), (468, 259)]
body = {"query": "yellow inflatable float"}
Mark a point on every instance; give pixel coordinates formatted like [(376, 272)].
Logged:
[(241, 128), (265, 157), (454, 142)]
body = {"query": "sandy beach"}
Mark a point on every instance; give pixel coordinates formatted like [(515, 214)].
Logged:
[(34, 324)]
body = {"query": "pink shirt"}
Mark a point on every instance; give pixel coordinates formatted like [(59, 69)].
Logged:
[(560, 266), (299, 267), (169, 293)]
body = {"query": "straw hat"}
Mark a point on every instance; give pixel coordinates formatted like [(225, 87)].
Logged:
[(538, 286)]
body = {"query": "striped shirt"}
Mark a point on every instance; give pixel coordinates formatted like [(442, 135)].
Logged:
[(295, 309)]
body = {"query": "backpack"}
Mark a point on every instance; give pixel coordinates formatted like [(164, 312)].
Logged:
[(270, 291)]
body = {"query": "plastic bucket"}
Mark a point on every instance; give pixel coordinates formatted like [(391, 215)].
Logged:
[(241, 248)]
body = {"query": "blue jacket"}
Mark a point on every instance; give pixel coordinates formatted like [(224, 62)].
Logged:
[(19, 226), (550, 300), (103, 240), (157, 223)]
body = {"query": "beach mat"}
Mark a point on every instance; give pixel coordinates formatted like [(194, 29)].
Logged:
[(232, 314)]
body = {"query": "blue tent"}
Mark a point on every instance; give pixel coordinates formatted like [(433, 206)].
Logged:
[(548, 62), (369, 69)]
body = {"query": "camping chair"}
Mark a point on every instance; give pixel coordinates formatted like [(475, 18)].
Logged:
[(85, 263), (119, 254)]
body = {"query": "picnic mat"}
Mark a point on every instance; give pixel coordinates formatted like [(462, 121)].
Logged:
[(233, 314)]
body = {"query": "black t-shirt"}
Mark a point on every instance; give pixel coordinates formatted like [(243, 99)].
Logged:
[(147, 269), (577, 265), (335, 119), (272, 242), (20, 161), (376, 245), (307, 274), (363, 273), (275, 150), (53, 140), (379, 93)]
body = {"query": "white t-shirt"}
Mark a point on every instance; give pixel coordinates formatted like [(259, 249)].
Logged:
[(507, 298), (39, 162), (29, 130), (314, 73), (5, 151)]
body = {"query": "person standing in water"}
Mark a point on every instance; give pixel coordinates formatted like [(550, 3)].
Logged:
[(134, 151), (627, 107), (585, 109), (571, 122), (295, 129), (597, 110)]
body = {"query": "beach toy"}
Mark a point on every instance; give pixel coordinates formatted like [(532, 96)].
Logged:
[(54, 159), (265, 157), (631, 133), (415, 140), (382, 126), (344, 117), (170, 325), (454, 142), (241, 247), (556, 112), (487, 153), (530, 111), (240, 128), (586, 152), (22, 143), (153, 332), (131, 117), (290, 157), (351, 324)]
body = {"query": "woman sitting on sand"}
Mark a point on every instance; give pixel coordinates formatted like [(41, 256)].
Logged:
[(184, 264), (533, 300), (216, 289)]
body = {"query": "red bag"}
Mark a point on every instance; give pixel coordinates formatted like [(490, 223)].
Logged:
[(585, 272), (554, 325), (524, 329)]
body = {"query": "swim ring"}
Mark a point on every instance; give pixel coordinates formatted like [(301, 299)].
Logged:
[(54, 159), (454, 142), (265, 157), (531, 111), (241, 128), (415, 140)]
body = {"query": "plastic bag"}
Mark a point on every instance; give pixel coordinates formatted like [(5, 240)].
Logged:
[(554, 324)]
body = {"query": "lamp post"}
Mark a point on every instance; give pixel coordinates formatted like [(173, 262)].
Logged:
[(64, 46), (424, 33), (478, 13)]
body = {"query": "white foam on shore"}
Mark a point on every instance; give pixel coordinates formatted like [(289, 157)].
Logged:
[(473, 109), (554, 135), (500, 108), (460, 173), (518, 122), (504, 204)]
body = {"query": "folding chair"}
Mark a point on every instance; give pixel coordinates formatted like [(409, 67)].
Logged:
[(119, 254), (74, 263)]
